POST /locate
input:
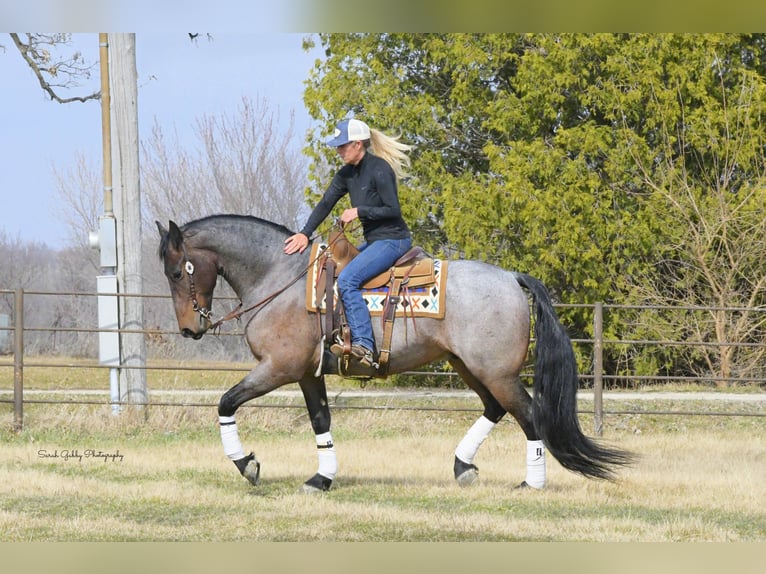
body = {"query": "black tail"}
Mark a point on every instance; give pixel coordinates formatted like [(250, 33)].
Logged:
[(555, 394)]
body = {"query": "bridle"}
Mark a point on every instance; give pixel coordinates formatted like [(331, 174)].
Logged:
[(238, 311), (203, 311)]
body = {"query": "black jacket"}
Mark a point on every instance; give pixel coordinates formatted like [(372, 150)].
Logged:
[(371, 185)]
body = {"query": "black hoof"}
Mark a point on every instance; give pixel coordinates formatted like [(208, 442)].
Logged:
[(524, 485), (250, 468), (465, 474), (317, 483)]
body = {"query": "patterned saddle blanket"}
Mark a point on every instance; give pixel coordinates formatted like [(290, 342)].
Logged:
[(423, 289)]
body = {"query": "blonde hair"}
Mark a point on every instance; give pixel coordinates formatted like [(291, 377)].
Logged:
[(392, 150)]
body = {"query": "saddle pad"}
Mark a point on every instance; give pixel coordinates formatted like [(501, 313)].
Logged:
[(421, 301)]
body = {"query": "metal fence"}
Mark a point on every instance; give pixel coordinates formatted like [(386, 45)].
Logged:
[(12, 341)]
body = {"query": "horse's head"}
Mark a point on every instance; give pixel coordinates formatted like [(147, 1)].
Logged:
[(192, 275)]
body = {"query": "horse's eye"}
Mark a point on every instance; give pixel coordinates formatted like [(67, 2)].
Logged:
[(176, 275)]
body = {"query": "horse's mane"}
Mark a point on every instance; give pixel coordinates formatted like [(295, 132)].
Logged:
[(233, 216), (191, 228)]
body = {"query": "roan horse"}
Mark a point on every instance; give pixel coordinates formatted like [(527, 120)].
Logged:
[(484, 335)]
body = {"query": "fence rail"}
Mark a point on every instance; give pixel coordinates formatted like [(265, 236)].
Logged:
[(594, 379)]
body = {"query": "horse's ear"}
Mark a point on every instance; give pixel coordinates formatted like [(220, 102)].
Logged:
[(175, 237), (162, 230)]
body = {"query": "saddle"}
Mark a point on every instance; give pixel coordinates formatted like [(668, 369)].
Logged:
[(413, 269), (415, 265)]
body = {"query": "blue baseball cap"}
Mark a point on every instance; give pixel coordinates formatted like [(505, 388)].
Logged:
[(349, 131)]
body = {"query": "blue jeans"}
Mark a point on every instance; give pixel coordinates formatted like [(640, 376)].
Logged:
[(374, 258)]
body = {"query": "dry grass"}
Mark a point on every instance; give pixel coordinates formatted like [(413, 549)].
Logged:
[(695, 480)]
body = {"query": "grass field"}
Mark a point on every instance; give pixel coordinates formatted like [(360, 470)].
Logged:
[(161, 476)]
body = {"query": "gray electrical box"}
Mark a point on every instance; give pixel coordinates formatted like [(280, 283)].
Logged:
[(108, 318), (105, 240), (108, 241)]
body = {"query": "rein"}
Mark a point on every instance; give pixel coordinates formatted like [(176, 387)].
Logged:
[(237, 312)]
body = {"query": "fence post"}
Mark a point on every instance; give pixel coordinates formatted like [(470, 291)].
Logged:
[(18, 359), (598, 367)]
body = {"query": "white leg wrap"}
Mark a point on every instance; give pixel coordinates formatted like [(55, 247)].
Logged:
[(535, 464), (230, 438), (328, 462), (472, 440)]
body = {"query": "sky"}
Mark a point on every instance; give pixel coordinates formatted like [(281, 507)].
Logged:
[(179, 81)]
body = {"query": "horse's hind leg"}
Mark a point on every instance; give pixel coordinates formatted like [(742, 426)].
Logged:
[(465, 471), (506, 397), (516, 400), (315, 395)]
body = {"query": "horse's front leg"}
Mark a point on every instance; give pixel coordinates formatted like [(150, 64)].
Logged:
[(315, 395), (257, 383)]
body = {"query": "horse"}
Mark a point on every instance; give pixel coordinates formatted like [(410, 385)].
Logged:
[(484, 335)]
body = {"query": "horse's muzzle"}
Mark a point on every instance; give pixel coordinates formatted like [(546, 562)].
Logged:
[(195, 328), (189, 334)]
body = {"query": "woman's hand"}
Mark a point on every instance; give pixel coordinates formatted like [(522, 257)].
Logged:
[(297, 242), (349, 215)]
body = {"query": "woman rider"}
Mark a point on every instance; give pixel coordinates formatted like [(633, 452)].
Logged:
[(373, 162)]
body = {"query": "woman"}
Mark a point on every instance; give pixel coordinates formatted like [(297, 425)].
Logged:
[(373, 163)]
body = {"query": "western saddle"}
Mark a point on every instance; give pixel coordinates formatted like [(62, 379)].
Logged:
[(413, 269)]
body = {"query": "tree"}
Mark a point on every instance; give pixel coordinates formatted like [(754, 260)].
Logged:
[(708, 185), (34, 266), (53, 71), (248, 165), (79, 189)]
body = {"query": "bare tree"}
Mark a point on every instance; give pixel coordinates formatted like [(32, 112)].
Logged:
[(27, 265), (22, 262), (712, 271), (79, 190), (249, 165), (53, 71)]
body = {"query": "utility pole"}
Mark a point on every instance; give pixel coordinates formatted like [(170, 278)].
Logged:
[(128, 210)]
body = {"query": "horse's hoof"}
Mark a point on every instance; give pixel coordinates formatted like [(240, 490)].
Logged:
[(524, 485), (317, 483), (250, 468), (253, 472), (465, 474), (468, 477)]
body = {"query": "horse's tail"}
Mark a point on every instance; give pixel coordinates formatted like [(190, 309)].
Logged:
[(554, 401)]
